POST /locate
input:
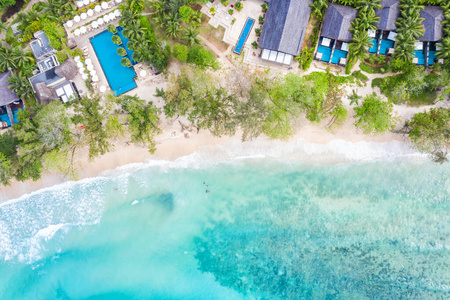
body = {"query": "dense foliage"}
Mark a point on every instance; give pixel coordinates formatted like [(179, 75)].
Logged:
[(374, 116)]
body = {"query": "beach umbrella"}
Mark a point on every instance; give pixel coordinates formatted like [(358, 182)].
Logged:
[(111, 16), (143, 73), (84, 76), (83, 30), (92, 1), (106, 18), (95, 24), (77, 19), (88, 61), (93, 73), (118, 1), (90, 12), (97, 8), (69, 23), (86, 2), (83, 16), (102, 88), (117, 13), (95, 78), (80, 65), (100, 21), (76, 59), (90, 67), (80, 3), (104, 5), (77, 32)]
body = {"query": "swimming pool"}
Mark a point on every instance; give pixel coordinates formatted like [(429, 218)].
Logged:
[(374, 47), (244, 35), (431, 57), (337, 55), (385, 44), (120, 78), (421, 56), (326, 53)]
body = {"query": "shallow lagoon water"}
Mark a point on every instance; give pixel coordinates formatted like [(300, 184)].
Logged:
[(236, 229)]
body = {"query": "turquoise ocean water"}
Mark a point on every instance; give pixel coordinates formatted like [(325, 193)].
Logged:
[(254, 228)]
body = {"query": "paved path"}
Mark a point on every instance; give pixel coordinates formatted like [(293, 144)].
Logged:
[(222, 55)]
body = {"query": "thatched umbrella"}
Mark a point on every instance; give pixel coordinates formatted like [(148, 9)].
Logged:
[(71, 43), (67, 70), (44, 94)]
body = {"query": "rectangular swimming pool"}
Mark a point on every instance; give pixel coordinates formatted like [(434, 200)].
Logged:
[(120, 78), (374, 47), (337, 55), (244, 35), (385, 44), (421, 56), (326, 53)]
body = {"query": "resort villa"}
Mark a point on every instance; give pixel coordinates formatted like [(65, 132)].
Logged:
[(284, 30), (335, 36), (384, 37), (426, 47), (10, 103)]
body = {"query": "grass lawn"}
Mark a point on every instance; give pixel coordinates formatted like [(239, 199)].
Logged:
[(213, 35)]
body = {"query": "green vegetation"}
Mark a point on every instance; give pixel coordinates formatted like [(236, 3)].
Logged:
[(318, 8), (409, 28), (369, 69), (415, 85), (202, 58), (444, 51), (238, 6), (180, 52), (374, 116), (121, 51), (112, 29), (430, 132), (365, 20), (125, 62), (116, 39), (61, 56), (5, 3)]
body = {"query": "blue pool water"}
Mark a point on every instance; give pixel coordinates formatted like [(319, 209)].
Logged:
[(244, 35), (373, 49), (15, 115), (337, 55), (326, 53), (125, 44), (420, 55), (120, 78), (5, 118), (267, 229), (431, 57), (385, 44)]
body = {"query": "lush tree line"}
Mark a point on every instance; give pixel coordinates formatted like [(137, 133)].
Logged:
[(49, 137)]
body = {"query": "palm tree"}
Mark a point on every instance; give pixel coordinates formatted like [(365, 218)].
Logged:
[(128, 18), (141, 54), (21, 58), (360, 43), (20, 85), (318, 7), (160, 21), (365, 21), (190, 35), (444, 51), (366, 6), (136, 6), (173, 29), (134, 32), (6, 59), (125, 62)]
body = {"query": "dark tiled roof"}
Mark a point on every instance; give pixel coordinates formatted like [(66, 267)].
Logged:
[(388, 14), (285, 26), (337, 21), (48, 77), (67, 69), (432, 23), (6, 95), (40, 46)]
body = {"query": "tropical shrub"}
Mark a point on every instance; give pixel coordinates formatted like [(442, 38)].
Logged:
[(264, 7), (375, 116), (258, 31), (121, 51), (212, 11), (180, 52), (61, 56), (230, 11), (202, 57), (125, 62), (116, 39), (238, 6), (225, 2), (255, 45), (112, 28)]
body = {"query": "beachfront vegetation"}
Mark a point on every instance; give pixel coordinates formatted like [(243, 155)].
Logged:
[(54, 136), (375, 116), (112, 28), (430, 132), (180, 52)]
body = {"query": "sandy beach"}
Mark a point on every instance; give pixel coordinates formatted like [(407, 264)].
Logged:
[(171, 147)]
